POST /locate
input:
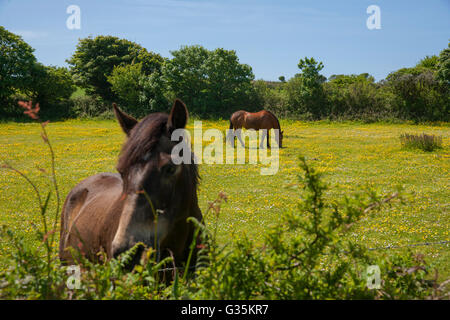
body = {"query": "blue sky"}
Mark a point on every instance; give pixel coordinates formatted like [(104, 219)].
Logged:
[(271, 36)]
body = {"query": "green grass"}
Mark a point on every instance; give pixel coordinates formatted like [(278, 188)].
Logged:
[(352, 157)]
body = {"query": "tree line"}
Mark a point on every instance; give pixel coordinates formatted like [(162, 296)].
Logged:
[(213, 83)]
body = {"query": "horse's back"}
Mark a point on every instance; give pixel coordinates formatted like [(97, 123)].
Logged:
[(95, 191), (254, 120)]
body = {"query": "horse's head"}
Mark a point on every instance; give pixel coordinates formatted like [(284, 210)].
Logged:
[(157, 194)]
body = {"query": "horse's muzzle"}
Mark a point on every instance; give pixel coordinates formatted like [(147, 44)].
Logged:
[(117, 250)]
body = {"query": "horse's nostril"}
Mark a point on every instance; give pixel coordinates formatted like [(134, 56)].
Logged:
[(116, 254)]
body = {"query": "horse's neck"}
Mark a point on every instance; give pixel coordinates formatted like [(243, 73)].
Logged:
[(276, 122), (277, 125)]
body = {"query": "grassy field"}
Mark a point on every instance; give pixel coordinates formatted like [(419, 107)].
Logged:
[(352, 157)]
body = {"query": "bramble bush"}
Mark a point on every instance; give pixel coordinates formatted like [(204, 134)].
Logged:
[(304, 256)]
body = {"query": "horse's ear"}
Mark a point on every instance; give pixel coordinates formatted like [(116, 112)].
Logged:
[(178, 116), (126, 122)]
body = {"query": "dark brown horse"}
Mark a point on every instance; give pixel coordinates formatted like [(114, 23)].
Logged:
[(259, 120), (148, 201)]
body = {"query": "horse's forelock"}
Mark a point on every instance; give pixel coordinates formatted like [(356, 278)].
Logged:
[(143, 139)]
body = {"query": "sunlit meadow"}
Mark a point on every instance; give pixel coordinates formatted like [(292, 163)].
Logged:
[(353, 157)]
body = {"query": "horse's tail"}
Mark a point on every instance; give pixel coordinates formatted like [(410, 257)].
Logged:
[(231, 124)]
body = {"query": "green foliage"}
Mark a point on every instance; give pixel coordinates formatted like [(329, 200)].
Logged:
[(125, 82), (30, 277), (154, 96), (138, 93), (23, 78), (425, 142), (305, 90), (16, 65), (95, 58), (90, 107), (295, 103), (228, 85), (310, 69), (418, 94), (429, 62), (355, 97), (443, 73), (51, 84), (51, 87), (209, 82), (274, 99), (184, 75)]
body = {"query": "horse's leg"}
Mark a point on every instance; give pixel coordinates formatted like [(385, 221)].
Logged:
[(231, 138), (268, 139), (264, 134), (238, 134), (230, 134), (277, 137)]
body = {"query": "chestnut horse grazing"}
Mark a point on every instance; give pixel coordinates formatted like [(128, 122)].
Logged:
[(259, 120), (148, 201)]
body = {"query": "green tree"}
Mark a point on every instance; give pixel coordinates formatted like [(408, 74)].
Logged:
[(209, 82), (429, 62), (310, 69), (185, 76), (354, 97), (418, 94), (124, 81), (95, 58), (229, 83), (138, 92), (16, 65), (443, 73), (270, 98), (153, 95), (305, 90), (50, 84)]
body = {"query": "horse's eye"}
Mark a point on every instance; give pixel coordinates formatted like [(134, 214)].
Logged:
[(169, 169), (146, 157)]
